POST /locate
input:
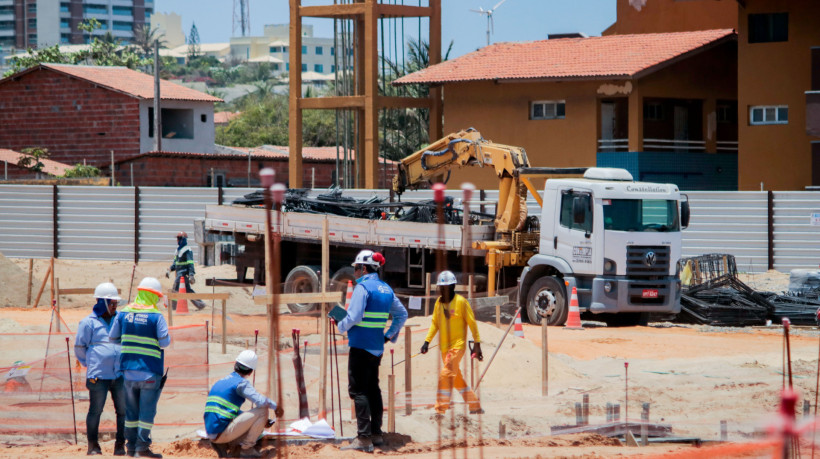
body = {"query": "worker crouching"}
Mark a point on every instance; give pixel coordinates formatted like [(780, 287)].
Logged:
[(451, 317), (225, 423)]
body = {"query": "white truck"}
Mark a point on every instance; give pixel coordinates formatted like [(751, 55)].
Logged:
[(617, 241)]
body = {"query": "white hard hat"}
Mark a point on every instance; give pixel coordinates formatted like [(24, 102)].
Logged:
[(446, 278), (107, 291), (150, 284), (247, 358), (369, 257)]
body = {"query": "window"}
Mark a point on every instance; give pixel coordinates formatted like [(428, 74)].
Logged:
[(123, 26), (95, 9), (103, 25), (567, 198), (319, 68), (203, 117), (547, 110), (332, 68), (318, 50), (6, 25), (148, 14), (304, 49), (64, 7), (332, 51), (653, 111), (32, 7), (284, 49), (773, 114), (726, 113), (122, 11), (765, 28), (65, 23), (176, 123), (32, 23), (651, 215), (276, 49), (7, 9), (287, 66), (32, 39), (304, 67), (65, 38), (276, 67)]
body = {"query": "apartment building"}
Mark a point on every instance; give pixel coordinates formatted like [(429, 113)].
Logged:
[(38, 23)]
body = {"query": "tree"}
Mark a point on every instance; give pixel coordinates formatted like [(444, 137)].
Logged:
[(144, 38), (105, 51), (193, 43), (82, 171), (32, 159)]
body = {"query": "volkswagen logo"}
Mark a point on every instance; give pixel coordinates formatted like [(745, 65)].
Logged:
[(650, 259)]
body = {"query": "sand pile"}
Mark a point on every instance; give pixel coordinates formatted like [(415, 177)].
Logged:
[(13, 281)]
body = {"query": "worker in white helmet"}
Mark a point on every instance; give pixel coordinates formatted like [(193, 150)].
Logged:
[(143, 332), (225, 423), (101, 357), (452, 315)]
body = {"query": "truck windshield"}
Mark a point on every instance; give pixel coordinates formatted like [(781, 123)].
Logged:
[(641, 215)]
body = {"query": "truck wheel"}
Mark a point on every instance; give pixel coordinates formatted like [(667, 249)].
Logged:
[(302, 279), (338, 283), (543, 291)]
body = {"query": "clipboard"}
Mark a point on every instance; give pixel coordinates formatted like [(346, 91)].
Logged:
[(337, 313)]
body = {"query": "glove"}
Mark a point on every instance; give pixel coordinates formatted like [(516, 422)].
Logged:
[(167, 273), (191, 279), (477, 352), (279, 412), (386, 339), (425, 347)]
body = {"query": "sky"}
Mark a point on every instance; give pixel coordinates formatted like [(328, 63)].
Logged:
[(515, 20)]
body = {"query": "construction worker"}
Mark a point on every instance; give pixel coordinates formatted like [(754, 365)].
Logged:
[(225, 423), (183, 266), (451, 316), (143, 332), (371, 304), (101, 357)]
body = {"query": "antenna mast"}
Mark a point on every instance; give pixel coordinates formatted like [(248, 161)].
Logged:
[(241, 18)]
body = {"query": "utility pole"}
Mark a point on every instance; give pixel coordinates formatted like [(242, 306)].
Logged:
[(157, 112)]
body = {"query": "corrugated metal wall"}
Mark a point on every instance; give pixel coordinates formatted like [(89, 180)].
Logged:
[(98, 222)]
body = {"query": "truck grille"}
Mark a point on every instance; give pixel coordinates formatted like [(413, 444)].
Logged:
[(644, 262)]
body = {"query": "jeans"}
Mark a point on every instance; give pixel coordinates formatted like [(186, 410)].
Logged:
[(98, 390), (363, 388), (198, 303), (141, 399)]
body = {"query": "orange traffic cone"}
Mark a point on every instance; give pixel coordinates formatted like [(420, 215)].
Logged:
[(182, 305), (518, 328), (349, 294), (574, 319)]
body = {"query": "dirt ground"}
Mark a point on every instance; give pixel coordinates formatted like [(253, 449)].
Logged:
[(693, 377)]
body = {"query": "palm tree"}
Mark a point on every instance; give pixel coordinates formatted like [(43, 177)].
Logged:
[(145, 36)]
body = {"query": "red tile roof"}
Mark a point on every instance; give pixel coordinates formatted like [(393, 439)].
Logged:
[(318, 154), (611, 57), (126, 81), (49, 166), (225, 117)]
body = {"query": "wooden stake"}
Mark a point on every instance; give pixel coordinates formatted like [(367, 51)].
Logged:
[(427, 295), (470, 286), (30, 274), (545, 372), (224, 327), (391, 403), (323, 323), (408, 374), (43, 286), (59, 317), (170, 312), (52, 281)]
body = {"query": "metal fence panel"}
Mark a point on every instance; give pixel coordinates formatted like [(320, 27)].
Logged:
[(729, 222), (797, 242), (26, 221), (95, 223), (166, 211)]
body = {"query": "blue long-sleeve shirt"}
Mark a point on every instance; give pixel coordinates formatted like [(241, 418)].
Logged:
[(164, 340), (355, 313), (94, 349)]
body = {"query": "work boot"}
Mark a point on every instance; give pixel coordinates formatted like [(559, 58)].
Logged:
[(359, 444), (119, 448), (200, 305), (478, 411), (377, 439), (221, 449), (93, 449), (148, 453), (250, 452)]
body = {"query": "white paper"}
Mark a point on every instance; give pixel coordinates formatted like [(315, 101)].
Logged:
[(415, 302), (815, 219)]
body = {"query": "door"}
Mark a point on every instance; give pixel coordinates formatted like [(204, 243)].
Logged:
[(607, 126), (573, 240), (681, 127)]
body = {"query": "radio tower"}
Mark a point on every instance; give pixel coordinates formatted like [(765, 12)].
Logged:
[(241, 18)]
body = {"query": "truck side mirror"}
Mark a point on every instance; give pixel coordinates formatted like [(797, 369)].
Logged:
[(684, 214), (579, 208)]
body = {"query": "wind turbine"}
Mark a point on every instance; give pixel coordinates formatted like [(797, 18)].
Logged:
[(489, 14)]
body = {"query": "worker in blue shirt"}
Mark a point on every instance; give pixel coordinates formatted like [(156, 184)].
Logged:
[(373, 301), (101, 357), (143, 332), (225, 423)]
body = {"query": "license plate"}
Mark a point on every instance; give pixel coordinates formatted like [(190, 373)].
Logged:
[(649, 293)]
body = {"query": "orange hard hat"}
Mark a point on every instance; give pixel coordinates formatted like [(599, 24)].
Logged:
[(182, 234)]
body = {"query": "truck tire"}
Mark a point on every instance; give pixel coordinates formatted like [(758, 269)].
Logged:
[(302, 279), (542, 286), (338, 283)]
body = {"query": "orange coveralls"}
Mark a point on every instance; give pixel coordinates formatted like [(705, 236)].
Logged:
[(453, 341)]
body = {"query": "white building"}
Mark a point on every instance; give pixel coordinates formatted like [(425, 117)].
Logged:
[(169, 25)]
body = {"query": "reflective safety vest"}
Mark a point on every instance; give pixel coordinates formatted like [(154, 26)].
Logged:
[(369, 333), (140, 344), (223, 404), (184, 260)]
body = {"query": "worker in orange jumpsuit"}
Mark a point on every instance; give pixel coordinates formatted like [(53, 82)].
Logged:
[(451, 316)]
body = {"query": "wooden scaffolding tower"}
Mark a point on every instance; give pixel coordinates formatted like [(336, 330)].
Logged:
[(365, 100)]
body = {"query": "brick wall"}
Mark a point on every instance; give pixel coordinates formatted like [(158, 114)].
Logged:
[(193, 171), (74, 119)]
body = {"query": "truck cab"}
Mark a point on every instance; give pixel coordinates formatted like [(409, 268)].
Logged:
[(617, 241)]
